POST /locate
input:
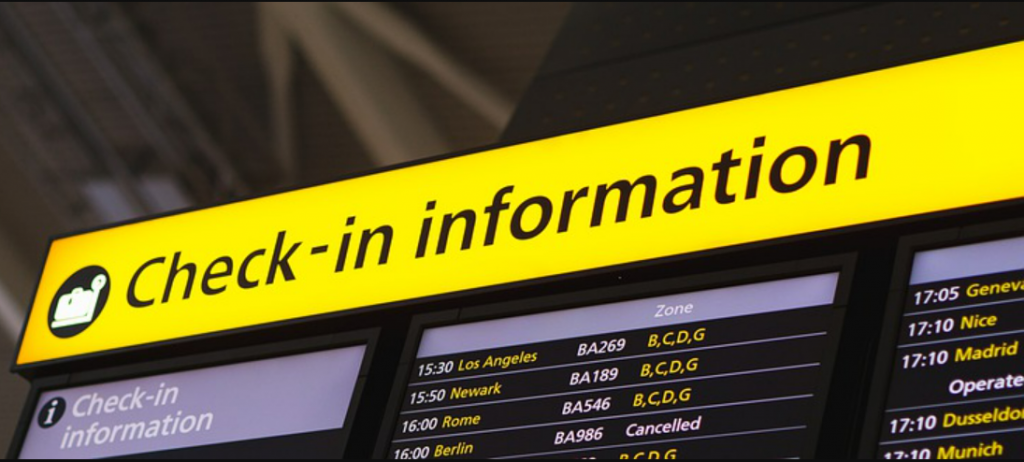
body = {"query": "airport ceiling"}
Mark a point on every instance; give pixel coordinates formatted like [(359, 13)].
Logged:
[(109, 111)]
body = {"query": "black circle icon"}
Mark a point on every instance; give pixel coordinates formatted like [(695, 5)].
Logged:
[(79, 302), (52, 412)]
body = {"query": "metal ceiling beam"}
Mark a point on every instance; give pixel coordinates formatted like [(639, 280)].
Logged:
[(11, 317), (279, 62), (15, 289), (362, 79), (405, 39)]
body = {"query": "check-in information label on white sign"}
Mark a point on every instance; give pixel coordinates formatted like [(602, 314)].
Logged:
[(271, 398)]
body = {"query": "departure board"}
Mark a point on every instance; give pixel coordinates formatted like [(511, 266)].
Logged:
[(957, 385), (730, 372)]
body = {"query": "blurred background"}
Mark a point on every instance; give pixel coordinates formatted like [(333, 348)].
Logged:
[(111, 111)]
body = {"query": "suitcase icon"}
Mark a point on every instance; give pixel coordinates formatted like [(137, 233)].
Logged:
[(78, 307)]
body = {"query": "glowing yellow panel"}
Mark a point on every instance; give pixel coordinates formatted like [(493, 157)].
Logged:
[(921, 138)]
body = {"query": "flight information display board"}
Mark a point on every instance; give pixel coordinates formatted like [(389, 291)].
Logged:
[(293, 406), (730, 372), (957, 385)]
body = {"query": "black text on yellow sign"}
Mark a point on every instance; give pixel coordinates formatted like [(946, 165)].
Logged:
[(921, 138), (501, 219)]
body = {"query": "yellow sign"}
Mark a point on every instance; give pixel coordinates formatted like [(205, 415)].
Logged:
[(920, 138)]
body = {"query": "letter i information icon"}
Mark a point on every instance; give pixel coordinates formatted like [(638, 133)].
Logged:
[(52, 412)]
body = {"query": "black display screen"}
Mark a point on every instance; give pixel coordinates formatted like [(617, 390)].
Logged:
[(957, 384), (732, 372)]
